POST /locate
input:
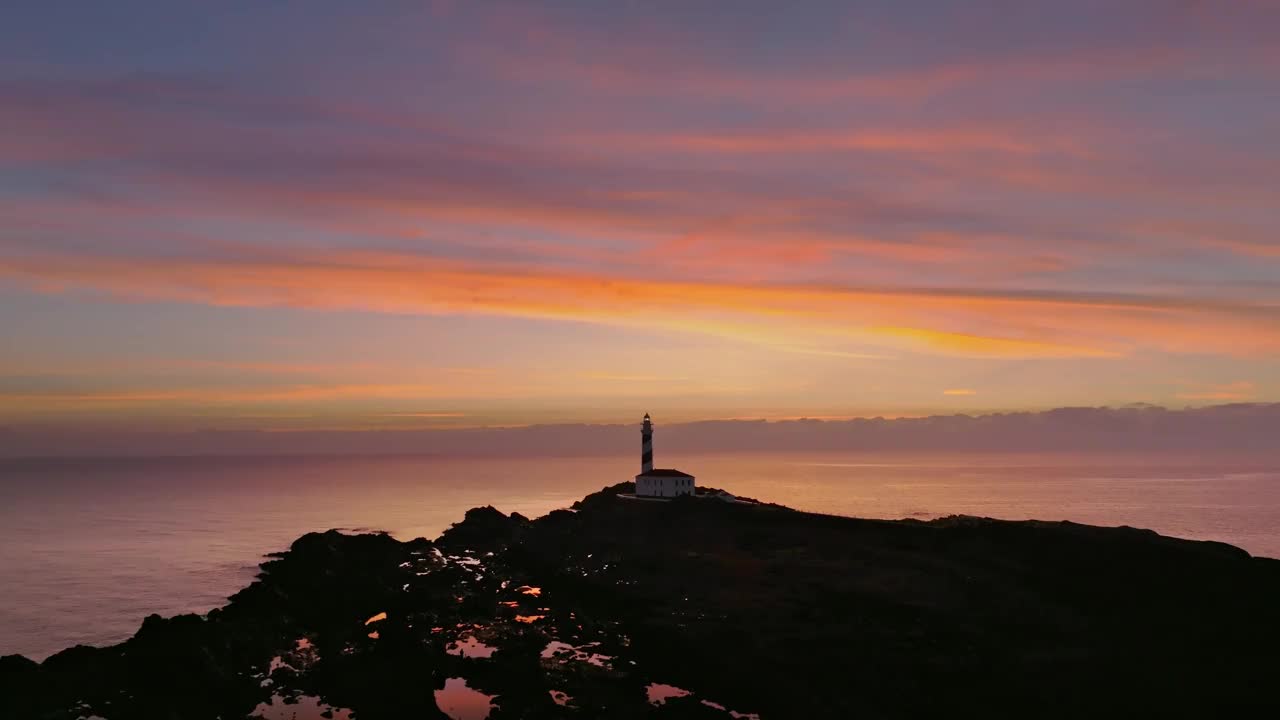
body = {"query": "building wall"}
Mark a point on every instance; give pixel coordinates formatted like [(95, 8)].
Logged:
[(664, 487)]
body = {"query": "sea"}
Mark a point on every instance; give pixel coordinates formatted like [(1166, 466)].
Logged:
[(88, 548)]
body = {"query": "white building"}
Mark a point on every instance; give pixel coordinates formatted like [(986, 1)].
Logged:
[(661, 482)]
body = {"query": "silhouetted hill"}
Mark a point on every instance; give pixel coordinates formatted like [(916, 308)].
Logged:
[(1238, 427)]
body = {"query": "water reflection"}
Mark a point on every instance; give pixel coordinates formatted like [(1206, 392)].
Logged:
[(303, 707), (470, 647), (376, 618), (461, 702), (659, 693), (564, 651), (732, 713)]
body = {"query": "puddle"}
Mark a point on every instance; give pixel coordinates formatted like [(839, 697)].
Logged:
[(554, 647), (561, 698), (376, 618), (307, 707), (470, 647), (529, 618), (563, 651), (659, 693), (460, 702), (527, 590), (732, 713)]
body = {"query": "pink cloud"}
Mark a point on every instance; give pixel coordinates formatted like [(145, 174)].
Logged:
[(940, 321)]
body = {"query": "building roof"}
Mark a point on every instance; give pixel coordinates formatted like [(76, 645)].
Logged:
[(664, 472)]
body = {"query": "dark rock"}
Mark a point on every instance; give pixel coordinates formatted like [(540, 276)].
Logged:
[(483, 528), (750, 606)]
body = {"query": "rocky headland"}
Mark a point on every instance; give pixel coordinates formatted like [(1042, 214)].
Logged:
[(701, 608)]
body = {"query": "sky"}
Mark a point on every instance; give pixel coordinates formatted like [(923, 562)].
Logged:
[(318, 216)]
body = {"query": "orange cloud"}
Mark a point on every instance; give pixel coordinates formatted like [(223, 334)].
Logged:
[(960, 391), (953, 322), (983, 346)]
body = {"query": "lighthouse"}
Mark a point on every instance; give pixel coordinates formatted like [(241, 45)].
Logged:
[(662, 483), (646, 445)]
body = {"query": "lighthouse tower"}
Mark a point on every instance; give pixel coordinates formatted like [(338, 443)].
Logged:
[(658, 483), (646, 445)]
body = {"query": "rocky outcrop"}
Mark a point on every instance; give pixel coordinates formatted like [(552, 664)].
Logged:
[(483, 528), (702, 608)]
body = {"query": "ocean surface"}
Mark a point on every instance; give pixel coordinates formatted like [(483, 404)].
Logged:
[(88, 548)]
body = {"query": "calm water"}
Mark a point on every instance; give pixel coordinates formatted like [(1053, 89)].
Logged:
[(89, 548)]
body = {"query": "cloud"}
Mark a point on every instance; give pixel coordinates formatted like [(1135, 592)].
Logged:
[(685, 60), (1234, 391), (633, 378), (420, 179), (960, 391), (220, 396), (944, 321), (1232, 236), (970, 345), (191, 153), (1017, 141), (425, 415), (843, 186)]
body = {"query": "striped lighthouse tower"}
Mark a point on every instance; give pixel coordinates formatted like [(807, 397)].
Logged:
[(646, 445)]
